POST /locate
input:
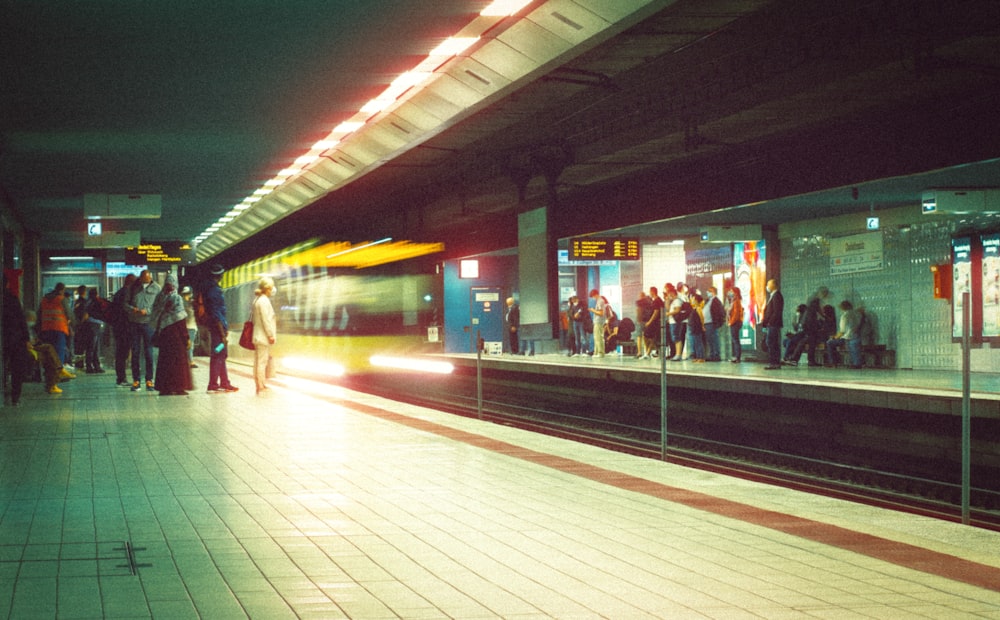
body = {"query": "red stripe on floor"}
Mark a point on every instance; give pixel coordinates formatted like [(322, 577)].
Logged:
[(901, 554)]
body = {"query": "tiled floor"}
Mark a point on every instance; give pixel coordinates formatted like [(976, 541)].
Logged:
[(337, 504)]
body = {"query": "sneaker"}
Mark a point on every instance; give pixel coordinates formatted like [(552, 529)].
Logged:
[(213, 389), (149, 386), (123, 383), (65, 374), (55, 389), (135, 386), (229, 388)]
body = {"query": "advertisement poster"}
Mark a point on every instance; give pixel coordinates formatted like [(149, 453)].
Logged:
[(751, 278), (961, 260), (991, 286)]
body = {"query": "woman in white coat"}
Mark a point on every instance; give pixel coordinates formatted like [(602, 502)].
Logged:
[(264, 332)]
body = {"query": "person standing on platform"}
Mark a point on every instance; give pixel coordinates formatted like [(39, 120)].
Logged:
[(55, 320), (191, 323), (812, 324), (651, 328), (513, 319), (17, 356), (734, 318), (173, 370), (772, 322), (218, 328), (597, 312), (92, 328), (715, 319), (643, 313), (265, 332), (139, 307), (121, 328), (578, 317)]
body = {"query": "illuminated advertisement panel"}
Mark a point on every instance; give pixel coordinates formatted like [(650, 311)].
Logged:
[(750, 276), (991, 285), (961, 262)]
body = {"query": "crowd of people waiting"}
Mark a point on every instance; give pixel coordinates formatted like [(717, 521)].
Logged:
[(143, 315), (696, 320)]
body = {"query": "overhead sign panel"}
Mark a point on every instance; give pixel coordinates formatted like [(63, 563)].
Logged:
[(160, 253), (604, 248)]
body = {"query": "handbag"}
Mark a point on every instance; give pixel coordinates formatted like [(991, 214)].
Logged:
[(246, 336)]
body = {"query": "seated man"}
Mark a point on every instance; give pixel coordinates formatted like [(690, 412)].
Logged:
[(848, 334), (795, 340)]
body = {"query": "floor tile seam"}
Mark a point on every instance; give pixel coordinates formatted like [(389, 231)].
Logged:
[(902, 554)]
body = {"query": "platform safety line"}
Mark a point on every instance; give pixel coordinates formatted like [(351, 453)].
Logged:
[(898, 553)]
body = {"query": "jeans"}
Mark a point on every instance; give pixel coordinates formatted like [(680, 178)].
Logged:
[(695, 345), (218, 374), (580, 337), (91, 332), (853, 350), (142, 345), (712, 342), (734, 339)]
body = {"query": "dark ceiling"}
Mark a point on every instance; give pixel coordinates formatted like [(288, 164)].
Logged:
[(702, 105)]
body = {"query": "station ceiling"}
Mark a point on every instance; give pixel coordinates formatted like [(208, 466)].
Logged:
[(669, 108)]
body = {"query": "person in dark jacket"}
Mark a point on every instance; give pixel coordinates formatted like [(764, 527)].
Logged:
[(215, 306), (17, 358), (772, 322)]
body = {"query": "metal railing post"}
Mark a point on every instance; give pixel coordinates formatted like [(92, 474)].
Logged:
[(966, 410)]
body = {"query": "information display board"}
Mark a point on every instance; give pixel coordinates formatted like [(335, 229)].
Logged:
[(603, 248), (160, 253)]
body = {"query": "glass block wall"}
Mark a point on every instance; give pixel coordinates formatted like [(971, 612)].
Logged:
[(899, 298)]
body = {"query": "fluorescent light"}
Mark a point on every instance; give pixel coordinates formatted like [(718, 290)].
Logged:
[(68, 258), (453, 45), (325, 144), (376, 105), (234, 212), (348, 127), (504, 8), (305, 160), (263, 191), (272, 183)]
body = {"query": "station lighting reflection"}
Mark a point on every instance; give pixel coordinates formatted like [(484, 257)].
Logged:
[(315, 388), (404, 363), (313, 366)]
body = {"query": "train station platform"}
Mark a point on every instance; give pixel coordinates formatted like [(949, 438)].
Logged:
[(313, 501)]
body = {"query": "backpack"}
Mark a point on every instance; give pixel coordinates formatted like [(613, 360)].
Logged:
[(684, 312), (201, 315)]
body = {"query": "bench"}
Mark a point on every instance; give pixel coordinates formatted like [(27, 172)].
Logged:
[(872, 355)]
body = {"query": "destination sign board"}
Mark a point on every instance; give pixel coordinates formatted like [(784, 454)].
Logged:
[(604, 248), (158, 253)]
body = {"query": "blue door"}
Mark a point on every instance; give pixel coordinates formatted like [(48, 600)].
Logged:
[(487, 310)]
